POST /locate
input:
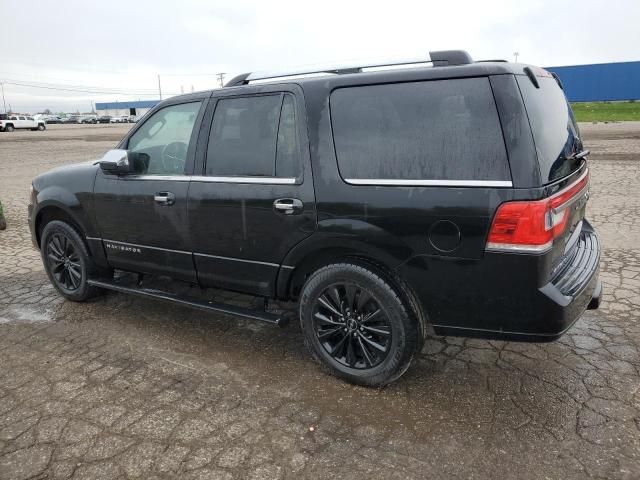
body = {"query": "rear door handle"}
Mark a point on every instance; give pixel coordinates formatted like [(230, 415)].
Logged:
[(164, 198), (288, 206)]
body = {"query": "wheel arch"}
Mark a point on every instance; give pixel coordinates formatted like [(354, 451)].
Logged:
[(52, 211), (290, 284)]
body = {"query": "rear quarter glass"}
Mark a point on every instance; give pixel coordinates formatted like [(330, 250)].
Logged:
[(555, 131), (429, 130)]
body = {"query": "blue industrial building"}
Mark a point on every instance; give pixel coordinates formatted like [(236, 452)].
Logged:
[(118, 109), (600, 82)]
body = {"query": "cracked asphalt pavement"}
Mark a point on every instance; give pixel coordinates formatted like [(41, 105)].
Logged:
[(125, 387)]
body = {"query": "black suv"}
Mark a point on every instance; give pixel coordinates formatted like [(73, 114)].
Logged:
[(390, 203)]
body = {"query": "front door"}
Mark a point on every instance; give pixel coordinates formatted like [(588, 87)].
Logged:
[(254, 199), (142, 216)]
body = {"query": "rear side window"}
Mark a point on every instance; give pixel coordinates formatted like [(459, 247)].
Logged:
[(555, 131), (254, 136), (435, 130)]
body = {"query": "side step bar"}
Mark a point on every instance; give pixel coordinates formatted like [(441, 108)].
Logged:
[(215, 307)]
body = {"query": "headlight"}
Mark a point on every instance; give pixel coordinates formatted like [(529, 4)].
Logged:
[(33, 195)]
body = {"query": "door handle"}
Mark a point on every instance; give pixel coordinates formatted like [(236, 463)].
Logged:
[(288, 206), (164, 198)]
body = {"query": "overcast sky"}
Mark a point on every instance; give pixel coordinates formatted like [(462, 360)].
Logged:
[(115, 49)]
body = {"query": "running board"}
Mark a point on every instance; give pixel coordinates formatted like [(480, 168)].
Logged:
[(213, 307)]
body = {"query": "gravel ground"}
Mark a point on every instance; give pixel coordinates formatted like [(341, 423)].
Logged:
[(124, 387)]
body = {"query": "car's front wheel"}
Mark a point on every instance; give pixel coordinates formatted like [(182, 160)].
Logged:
[(41, 127), (9, 128), (356, 324), (67, 261)]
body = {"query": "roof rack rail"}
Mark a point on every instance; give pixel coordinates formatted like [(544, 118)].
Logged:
[(437, 59)]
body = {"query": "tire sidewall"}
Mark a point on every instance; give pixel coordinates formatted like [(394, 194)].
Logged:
[(84, 291), (402, 334)]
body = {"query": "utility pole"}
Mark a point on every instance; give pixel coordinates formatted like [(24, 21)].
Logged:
[(221, 79), (3, 101), (516, 54), (159, 87)]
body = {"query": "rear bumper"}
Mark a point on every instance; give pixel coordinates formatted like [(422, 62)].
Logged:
[(499, 297)]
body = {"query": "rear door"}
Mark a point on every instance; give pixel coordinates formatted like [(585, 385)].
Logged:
[(254, 199)]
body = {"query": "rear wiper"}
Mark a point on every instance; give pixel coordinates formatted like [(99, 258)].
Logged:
[(580, 155)]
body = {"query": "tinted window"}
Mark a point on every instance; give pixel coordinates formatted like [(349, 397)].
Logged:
[(288, 148), (555, 131), (445, 129), (164, 139), (254, 136)]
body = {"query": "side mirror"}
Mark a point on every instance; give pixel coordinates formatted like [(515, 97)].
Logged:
[(116, 162)]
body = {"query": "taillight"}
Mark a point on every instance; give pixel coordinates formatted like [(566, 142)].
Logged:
[(531, 226)]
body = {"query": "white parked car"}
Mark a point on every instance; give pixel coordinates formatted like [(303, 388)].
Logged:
[(117, 120), (14, 122)]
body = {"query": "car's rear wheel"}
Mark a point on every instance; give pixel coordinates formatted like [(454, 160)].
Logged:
[(356, 324), (67, 261)]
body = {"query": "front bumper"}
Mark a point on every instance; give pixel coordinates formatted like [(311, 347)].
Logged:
[(31, 220)]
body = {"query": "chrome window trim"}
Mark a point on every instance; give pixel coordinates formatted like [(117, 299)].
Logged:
[(429, 183), (194, 253), (175, 178), (202, 178), (259, 180)]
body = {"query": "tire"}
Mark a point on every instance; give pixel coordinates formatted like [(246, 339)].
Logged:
[(356, 325), (67, 261), (9, 128), (41, 128)]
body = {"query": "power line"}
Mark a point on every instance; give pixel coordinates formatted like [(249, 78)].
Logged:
[(74, 86), (87, 90)]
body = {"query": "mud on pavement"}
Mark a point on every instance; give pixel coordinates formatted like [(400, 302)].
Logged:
[(124, 387)]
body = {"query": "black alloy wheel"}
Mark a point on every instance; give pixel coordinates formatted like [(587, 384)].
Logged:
[(68, 262), (351, 326), (64, 262), (358, 324)]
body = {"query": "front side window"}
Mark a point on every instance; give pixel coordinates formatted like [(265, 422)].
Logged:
[(431, 130), (254, 136), (164, 139)]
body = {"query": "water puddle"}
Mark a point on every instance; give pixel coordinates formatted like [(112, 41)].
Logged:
[(15, 315)]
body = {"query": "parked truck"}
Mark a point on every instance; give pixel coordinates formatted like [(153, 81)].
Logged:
[(13, 122)]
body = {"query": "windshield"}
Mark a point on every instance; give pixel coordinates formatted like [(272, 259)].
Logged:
[(555, 131)]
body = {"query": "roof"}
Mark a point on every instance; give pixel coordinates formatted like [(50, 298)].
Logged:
[(135, 104)]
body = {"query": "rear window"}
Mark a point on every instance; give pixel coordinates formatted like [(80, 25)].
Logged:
[(254, 136), (554, 128), (435, 130)]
